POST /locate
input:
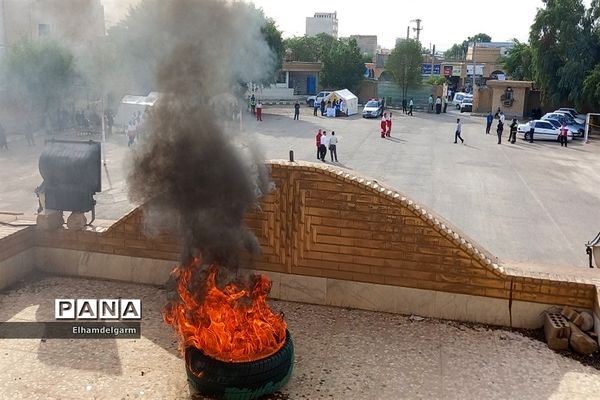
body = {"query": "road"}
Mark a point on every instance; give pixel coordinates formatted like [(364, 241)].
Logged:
[(532, 204)]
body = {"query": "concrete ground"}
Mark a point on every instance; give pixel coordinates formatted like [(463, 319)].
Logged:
[(528, 204), (340, 354)]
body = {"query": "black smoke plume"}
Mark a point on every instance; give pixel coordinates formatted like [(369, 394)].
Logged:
[(192, 173)]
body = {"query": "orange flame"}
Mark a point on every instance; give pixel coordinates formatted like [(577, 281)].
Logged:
[(232, 324)]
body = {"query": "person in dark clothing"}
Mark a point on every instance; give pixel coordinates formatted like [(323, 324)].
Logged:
[(531, 132), (512, 137), (488, 122), (322, 108), (404, 104), (296, 110), (29, 134), (499, 131)]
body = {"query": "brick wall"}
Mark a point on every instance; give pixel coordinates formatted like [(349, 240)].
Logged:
[(328, 223), (15, 240)]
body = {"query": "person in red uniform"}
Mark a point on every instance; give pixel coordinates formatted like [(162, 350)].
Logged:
[(259, 108), (563, 135), (388, 122), (383, 125), (318, 138)]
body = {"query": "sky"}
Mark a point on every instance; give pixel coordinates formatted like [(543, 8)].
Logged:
[(444, 22)]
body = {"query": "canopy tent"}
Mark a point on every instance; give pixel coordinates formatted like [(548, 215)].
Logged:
[(349, 104), (131, 104)]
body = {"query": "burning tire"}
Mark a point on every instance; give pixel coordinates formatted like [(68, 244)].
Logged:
[(239, 380)]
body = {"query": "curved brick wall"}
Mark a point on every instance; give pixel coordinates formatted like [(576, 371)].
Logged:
[(328, 224)]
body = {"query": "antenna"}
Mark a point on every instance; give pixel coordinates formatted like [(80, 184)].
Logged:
[(418, 29)]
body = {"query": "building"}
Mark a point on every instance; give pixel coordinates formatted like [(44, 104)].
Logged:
[(367, 44), (322, 23), (78, 23)]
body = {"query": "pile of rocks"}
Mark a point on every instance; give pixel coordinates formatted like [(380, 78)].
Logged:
[(571, 328)]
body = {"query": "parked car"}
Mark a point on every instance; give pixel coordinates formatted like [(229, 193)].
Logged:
[(466, 105), (373, 109), (311, 100), (569, 115), (568, 120), (458, 98), (543, 130), (574, 113), (557, 124)]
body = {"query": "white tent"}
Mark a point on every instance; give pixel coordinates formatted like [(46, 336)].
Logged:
[(131, 104), (349, 104)]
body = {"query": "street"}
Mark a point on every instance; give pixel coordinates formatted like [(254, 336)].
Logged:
[(528, 204)]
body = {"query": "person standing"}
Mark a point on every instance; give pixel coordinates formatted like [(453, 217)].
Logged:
[(322, 104), (323, 146), (563, 135), (438, 105), (488, 122), (29, 133), (430, 100), (404, 106), (383, 125), (3, 140), (411, 104), (315, 108), (501, 117), (259, 108), (512, 137), (253, 104), (531, 131), (296, 111), (458, 132), (318, 139), (499, 130), (131, 133), (388, 123), (333, 146)]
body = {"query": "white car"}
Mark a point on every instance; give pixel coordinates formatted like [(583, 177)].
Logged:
[(466, 105), (543, 130), (312, 100), (574, 113), (459, 97), (569, 114)]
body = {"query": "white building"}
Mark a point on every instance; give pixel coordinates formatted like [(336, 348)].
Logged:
[(322, 23)]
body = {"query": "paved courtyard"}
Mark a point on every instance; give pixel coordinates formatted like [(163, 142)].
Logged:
[(340, 354), (529, 204)]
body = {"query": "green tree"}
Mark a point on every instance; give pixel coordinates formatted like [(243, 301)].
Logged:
[(458, 51), (272, 36), (517, 62), (309, 48), (591, 88), (41, 73), (343, 65), (563, 49), (404, 63)]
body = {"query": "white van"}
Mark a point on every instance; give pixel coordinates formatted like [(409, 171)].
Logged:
[(458, 98)]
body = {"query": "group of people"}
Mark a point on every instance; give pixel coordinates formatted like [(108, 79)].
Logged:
[(512, 136), (438, 104), (135, 127), (330, 108), (386, 125), (256, 106), (326, 142), (410, 104)]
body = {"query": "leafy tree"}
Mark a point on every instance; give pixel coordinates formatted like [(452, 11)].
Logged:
[(404, 63), (343, 65), (309, 48), (41, 72), (458, 52), (272, 36), (591, 87), (517, 62), (563, 49)]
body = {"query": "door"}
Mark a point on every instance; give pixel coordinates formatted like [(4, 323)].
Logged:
[(545, 130), (311, 84)]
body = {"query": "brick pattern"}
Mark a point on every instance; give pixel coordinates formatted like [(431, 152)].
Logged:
[(14, 240), (325, 222)]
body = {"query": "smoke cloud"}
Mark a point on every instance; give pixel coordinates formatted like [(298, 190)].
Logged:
[(194, 174)]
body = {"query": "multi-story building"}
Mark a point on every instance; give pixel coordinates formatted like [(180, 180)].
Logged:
[(72, 22), (322, 23), (367, 44)]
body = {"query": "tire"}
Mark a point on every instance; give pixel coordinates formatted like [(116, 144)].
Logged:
[(240, 381)]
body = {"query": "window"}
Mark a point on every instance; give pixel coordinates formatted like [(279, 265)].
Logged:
[(43, 30)]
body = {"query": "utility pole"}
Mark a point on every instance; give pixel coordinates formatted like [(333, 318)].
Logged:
[(432, 59), (408, 32), (418, 29), (473, 56)]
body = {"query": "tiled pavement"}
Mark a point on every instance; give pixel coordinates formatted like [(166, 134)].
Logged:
[(340, 354)]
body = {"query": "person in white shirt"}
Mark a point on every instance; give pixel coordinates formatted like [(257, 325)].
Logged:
[(333, 146), (458, 131), (324, 145)]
